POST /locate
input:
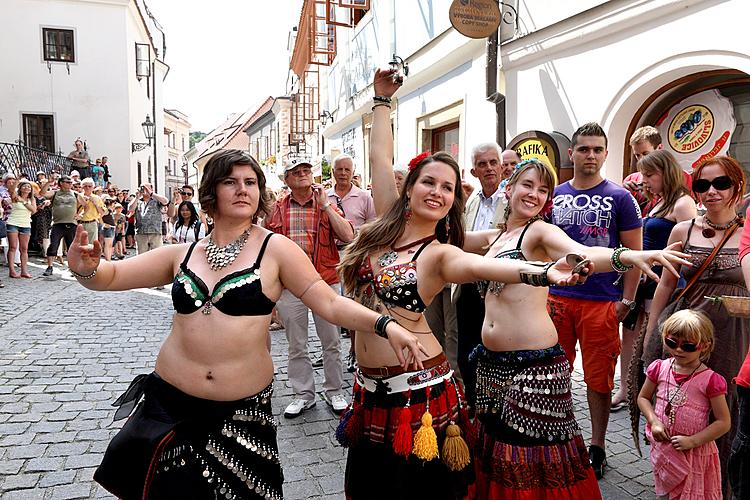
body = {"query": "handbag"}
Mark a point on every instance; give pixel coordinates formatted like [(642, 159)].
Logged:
[(653, 348), (3, 230)]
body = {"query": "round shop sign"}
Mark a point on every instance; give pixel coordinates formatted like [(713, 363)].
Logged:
[(690, 128), (475, 18)]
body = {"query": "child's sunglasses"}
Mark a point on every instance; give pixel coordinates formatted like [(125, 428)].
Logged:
[(720, 183), (685, 346)]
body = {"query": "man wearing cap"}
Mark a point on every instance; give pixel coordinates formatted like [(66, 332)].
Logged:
[(308, 218), (65, 204)]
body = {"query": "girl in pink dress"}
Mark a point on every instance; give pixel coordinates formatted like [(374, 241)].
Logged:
[(683, 452)]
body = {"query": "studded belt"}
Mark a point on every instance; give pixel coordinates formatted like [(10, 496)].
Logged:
[(407, 381)]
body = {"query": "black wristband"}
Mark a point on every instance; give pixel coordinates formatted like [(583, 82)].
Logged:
[(381, 323), (381, 98), (537, 278)]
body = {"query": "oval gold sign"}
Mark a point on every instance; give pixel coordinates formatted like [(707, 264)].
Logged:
[(475, 18)]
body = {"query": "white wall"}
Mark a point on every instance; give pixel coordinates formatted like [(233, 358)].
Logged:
[(605, 68), (99, 100)]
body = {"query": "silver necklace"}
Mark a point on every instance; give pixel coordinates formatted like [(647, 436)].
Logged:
[(221, 257)]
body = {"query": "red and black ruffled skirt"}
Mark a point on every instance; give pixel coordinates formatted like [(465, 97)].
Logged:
[(406, 436), (528, 445)]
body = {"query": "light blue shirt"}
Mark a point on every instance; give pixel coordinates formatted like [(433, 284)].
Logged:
[(486, 210)]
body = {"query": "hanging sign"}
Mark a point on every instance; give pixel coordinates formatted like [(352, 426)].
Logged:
[(475, 18), (698, 127)]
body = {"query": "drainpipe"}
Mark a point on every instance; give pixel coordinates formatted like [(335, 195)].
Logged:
[(493, 95)]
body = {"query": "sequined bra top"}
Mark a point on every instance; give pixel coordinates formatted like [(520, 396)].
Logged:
[(396, 284), (495, 287), (237, 294)]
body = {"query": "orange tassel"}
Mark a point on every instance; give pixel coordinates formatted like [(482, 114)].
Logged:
[(402, 440), (425, 440)]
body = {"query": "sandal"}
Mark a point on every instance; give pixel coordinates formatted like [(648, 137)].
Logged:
[(620, 405)]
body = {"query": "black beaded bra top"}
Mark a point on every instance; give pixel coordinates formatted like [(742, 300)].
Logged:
[(396, 284), (237, 294), (495, 287)]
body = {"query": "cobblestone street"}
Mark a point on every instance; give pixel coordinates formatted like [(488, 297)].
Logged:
[(66, 353)]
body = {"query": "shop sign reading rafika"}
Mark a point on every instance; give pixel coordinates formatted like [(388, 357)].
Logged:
[(698, 127), (475, 18)]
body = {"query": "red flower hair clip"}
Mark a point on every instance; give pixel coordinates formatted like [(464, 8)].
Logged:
[(418, 159)]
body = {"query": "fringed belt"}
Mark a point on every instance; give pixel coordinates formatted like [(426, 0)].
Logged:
[(398, 409)]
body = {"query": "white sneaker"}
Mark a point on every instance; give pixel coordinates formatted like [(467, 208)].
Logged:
[(338, 403), (297, 407)]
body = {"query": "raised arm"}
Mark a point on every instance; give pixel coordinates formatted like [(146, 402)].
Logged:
[(384, 192)]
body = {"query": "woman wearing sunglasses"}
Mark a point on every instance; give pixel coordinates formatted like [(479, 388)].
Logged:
[(712, 241)]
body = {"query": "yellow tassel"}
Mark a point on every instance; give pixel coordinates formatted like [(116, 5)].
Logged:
[(455, 450), (425, 440)]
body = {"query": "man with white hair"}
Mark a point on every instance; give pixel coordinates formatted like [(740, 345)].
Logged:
[(92, 207), (147, 207), (357, 207), (485, 209)]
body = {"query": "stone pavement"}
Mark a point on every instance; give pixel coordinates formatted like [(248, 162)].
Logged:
[(66, 353)]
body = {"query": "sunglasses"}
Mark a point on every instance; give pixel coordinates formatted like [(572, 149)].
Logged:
[(685, 346), (720, 183)]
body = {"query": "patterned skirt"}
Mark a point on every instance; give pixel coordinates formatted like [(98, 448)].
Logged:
[(529, 444), (378, 467), (179, 446)]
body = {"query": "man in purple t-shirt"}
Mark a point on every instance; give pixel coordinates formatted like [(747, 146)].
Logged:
[(595, 212)]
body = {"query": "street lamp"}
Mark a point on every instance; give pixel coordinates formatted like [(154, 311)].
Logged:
[(149, 131), (324, 117), (401, 67)]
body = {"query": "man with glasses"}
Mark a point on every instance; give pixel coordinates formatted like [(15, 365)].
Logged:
[(185, 193), (147, 208), (65, 203), (309, 219), (357, 206)]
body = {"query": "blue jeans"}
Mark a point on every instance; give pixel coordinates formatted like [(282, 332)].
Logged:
[(739, 458)]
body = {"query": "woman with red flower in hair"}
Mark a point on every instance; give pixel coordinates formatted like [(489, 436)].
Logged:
[(406, 427)]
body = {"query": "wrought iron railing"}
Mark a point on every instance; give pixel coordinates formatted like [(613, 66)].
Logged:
[(20, 159)]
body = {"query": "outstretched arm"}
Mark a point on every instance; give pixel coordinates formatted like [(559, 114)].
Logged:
[(384, 192)]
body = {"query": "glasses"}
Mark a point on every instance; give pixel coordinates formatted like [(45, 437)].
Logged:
[(720, 183), (301, 172), (66, 182), (685, 346), (186, 193)]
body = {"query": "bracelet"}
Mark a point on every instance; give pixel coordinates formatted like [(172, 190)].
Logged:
[(381, 323), (617, 264), (380, 104), (537, 278), (382, 98), (82, 276)]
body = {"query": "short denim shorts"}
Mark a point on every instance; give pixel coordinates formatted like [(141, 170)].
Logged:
[(20, 230)]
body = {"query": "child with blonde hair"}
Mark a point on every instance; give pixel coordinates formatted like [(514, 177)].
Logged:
[(684, 455)]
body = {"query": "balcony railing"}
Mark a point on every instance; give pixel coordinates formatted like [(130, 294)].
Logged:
[(20, 159)]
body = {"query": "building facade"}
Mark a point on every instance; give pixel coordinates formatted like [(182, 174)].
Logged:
[(176, 144), (88, 69)]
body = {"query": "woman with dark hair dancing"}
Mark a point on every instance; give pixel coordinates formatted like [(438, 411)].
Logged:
[(204, 428)]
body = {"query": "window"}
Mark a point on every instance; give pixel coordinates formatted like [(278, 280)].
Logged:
[(142, 60), (446, 139), (39, 132), (58, 45)]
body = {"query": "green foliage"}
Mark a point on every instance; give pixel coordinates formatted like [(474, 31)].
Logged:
[(325, 168), (196, 137)]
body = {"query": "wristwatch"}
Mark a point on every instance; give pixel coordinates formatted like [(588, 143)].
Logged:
[(629, 303)]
